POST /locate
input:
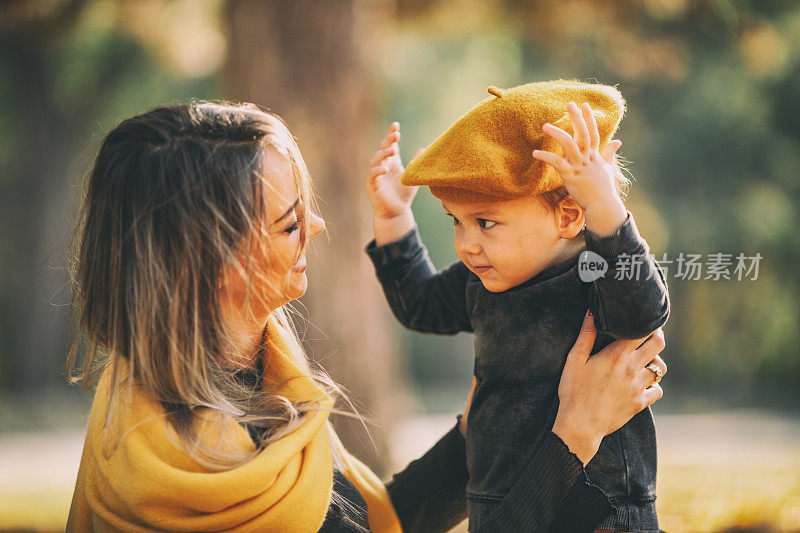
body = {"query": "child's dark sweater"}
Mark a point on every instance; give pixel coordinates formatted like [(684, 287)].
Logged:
[(522, 337)]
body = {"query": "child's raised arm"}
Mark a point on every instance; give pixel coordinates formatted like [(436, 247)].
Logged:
[(421, 298), (390, 201), (629, 299)]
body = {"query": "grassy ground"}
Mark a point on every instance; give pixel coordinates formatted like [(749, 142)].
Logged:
[(729, 470), (37, 475), (717, 472)]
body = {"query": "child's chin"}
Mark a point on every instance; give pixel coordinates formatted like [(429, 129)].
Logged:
[(494, 286)]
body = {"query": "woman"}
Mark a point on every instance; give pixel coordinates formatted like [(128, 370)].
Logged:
[(207, 415)]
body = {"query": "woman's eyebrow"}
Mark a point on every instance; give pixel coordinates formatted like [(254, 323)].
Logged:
[(288, 211)]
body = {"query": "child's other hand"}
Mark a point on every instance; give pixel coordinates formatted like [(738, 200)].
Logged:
[(387, 196), (588, 173)]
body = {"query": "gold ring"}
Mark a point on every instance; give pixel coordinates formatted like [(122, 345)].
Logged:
[(656, 370)]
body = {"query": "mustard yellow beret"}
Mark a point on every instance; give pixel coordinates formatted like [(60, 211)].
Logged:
[(487, 154)]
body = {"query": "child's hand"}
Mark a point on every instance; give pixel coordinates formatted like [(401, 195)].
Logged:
[(387, 196), (587, 173)]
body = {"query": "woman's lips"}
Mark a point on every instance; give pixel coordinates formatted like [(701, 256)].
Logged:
[(300, 266)]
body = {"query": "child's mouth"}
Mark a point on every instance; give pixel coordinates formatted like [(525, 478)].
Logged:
[(481, 269)]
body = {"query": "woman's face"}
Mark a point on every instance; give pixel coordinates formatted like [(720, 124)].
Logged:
[(283, 272)]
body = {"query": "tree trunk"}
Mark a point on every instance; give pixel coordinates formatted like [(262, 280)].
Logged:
[(301, 60), (36, 212)]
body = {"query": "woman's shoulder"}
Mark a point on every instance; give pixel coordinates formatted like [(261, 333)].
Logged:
[(136, 468), (126, 418)]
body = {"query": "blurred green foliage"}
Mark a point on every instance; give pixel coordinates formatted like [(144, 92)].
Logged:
[(713, 139), (712, 135)]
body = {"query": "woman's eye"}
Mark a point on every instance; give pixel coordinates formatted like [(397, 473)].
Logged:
[(294, 227), (485, 224)]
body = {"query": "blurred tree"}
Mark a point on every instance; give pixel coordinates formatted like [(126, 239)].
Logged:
[(711, 129), (70, 69), (44, 137), (302, 60)]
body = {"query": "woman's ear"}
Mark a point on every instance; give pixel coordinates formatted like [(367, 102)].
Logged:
[(569, 218)]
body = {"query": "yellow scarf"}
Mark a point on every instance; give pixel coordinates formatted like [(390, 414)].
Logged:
[(151, 483)]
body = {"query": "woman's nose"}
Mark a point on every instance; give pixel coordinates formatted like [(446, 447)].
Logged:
[(315, 224)]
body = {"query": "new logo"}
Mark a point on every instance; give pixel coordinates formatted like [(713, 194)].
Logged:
[(591, 266)]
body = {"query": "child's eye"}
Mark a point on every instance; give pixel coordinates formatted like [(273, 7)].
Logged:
[(455, 220), (485, 224)]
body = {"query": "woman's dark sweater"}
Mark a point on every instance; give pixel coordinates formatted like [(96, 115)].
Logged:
[(429, 495)]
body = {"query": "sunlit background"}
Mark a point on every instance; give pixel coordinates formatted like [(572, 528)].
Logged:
[(712, 136)]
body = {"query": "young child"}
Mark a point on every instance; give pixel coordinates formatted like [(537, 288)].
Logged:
[(527, 197)]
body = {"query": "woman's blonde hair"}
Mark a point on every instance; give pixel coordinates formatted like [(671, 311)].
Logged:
[(174, 195)]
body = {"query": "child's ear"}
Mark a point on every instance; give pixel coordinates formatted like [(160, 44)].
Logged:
[(569, 218)]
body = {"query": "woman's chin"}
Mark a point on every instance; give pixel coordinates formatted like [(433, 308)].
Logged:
[(298, 285)]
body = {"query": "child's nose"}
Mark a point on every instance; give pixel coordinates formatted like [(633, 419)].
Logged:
[(468, 245)]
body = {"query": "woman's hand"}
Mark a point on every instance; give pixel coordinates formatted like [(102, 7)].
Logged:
[(598, 394), (462, 423), (387, 196)]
